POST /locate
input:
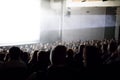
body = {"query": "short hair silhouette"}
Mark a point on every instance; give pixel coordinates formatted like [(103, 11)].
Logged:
[(58, 55), (14, 52)]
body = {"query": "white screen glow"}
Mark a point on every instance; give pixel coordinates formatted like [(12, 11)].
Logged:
[(19, 21)]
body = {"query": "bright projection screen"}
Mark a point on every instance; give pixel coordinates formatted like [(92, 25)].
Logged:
[(19, 22)]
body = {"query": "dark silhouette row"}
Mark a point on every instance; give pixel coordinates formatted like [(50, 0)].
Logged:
[(61, 61)]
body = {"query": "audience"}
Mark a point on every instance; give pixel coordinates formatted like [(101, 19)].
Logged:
[(60, 60)]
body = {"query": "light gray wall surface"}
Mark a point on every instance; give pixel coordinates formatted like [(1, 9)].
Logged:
[(84, 24)]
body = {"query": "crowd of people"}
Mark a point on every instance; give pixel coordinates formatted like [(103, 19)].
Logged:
[(61, 60)]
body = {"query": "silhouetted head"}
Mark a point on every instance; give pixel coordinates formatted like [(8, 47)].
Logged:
[(58, 55), (14, 53), (70, 53), (81, 49), (90, 56), (104, 47), (112, 47), (42, 57), (34, 57), (2, 57), (43, 60), (25, 56)]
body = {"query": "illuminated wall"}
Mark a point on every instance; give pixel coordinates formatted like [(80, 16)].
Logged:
[(85, 24)]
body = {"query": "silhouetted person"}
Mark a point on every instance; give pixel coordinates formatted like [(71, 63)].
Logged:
[(1, 65), (78, 63), (112, 48), (57, 70), (104, 53), (43, 61), (91, 60), (70, 55), (14, 68), (79, 57), (42, 65), (33, 63), (25, 56)]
